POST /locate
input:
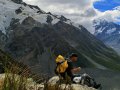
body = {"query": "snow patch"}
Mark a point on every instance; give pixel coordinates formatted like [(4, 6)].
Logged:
[(100, 30), (111, 30)]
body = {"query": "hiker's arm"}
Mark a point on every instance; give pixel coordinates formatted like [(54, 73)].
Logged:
[(75, 70)]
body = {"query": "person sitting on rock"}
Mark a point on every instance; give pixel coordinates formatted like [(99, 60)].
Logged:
[(65, 66)]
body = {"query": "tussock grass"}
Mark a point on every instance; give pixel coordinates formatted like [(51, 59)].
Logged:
[(19, 76), (15, 78)]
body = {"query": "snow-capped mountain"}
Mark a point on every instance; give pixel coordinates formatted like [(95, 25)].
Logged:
[(35, 37), (108, 32), (17, 9)]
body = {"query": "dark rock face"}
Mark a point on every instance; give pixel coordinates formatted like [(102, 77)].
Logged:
[(17, 1), (62, 18), (19, 10), (49, 19)]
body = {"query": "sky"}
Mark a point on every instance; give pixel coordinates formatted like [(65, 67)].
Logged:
[(82, 11)]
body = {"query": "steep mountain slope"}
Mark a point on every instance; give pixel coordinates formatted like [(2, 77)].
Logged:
[(109, 33), (35, 37)]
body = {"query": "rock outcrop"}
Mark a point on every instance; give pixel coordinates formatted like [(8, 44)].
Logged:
[(53, 85), (17, 1)]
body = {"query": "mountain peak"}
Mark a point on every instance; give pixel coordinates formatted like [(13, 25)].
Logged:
[(105, 27), (108, 32)]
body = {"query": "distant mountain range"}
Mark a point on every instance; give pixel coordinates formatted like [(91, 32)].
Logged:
[(35, 37), (108, 32)]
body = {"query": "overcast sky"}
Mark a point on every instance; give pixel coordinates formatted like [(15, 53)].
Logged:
[(82, 11)]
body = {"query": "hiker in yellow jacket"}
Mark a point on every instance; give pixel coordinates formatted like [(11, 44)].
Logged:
[(66, 65)]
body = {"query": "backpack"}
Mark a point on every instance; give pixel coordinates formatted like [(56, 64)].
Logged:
[(89, 81), (62, 64), (86, 80)]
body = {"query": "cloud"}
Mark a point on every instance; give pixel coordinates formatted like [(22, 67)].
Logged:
[(65, 5), (80, 11), (111, 15), (117, 8)]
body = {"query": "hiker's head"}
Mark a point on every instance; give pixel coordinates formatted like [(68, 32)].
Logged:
[(74, 57)]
